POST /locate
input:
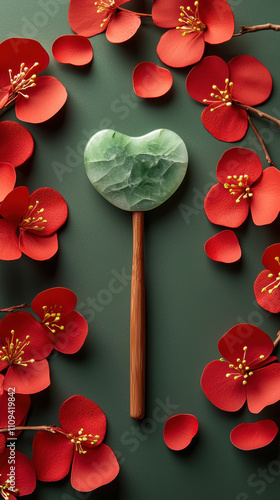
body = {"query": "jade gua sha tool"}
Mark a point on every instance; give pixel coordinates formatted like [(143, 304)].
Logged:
[(136, 174)]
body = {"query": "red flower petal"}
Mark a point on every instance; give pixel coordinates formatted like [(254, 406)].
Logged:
[(150, 80), (218, 17), (263, 388), (79, 412), (166, 14), (45, 100), (7, 179), (84, 19), (46, 449), (265, 202), (9, 246), (257, 341), (15, 205), (268, 301), (21, 407), (179, 431), (239, 161), (35, 377), (223, 247), (222, 209), (179, 51), (24, 324), (212, 70), (71, 339), (2, 443), (225, 123), (223, 392), (72, 49), (122, 27), (38, 247), (251, 436), (25, 479), (16, 143), (97, 467), (55, 209), (269, 257), (252, 82), (65, 299), (15, 51)]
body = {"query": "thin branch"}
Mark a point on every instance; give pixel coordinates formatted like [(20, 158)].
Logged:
[(261, 27), (261, 141), (135, 13), (277, 339), (48, 428), (257, 112), (12, 308)]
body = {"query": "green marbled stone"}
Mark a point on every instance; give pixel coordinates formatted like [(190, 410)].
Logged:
[(136, 173)]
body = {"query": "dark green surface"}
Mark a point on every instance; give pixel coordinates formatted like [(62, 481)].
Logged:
[(191, 300)]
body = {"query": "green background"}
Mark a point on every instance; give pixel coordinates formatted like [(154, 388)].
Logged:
[(191, 300)]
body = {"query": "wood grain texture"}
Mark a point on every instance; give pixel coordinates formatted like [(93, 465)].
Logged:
[(137, 320)]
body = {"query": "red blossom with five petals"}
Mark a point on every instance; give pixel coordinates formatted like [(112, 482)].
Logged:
[(78, 444), (266, 286), (191, 23), (243, 186), (89, 18), (24, 347), (36, 217), (36, 98), (225, 88), (55, 308), (24, 480), (246, 371)]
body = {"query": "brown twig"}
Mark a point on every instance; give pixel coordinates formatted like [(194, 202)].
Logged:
[(261, 27), (257, 112), (135, 13), (261, 141), (12, 308), (277, 339), (48, 428)]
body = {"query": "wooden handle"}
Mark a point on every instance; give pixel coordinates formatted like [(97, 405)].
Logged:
[(137, 320)]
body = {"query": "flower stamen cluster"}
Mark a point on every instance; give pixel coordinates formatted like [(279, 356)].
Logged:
[(32, 222), (277, 280), (83, 439), (14, 350), (224, 96), (242, 368), (51, 318), (105, 6), (190, 20), (239, 184), (21, 82), (7, 486)]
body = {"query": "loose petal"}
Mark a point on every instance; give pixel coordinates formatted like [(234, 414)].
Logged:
[(251, 436), (45, 100), (72, 49), (16, 143), (150, 80), (223, 247), (179, 431)]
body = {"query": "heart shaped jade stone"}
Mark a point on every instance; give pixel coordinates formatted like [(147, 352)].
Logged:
[(136, 173)]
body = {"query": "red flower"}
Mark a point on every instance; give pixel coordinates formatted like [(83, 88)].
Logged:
[(22, 482), (78, 442), (243, 186), (88, 18), (36, 98), (192, 24), (37, 217), (266, 286), (16, 146), (55, 308), (23, 349), (248, 374), (225, 88)]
